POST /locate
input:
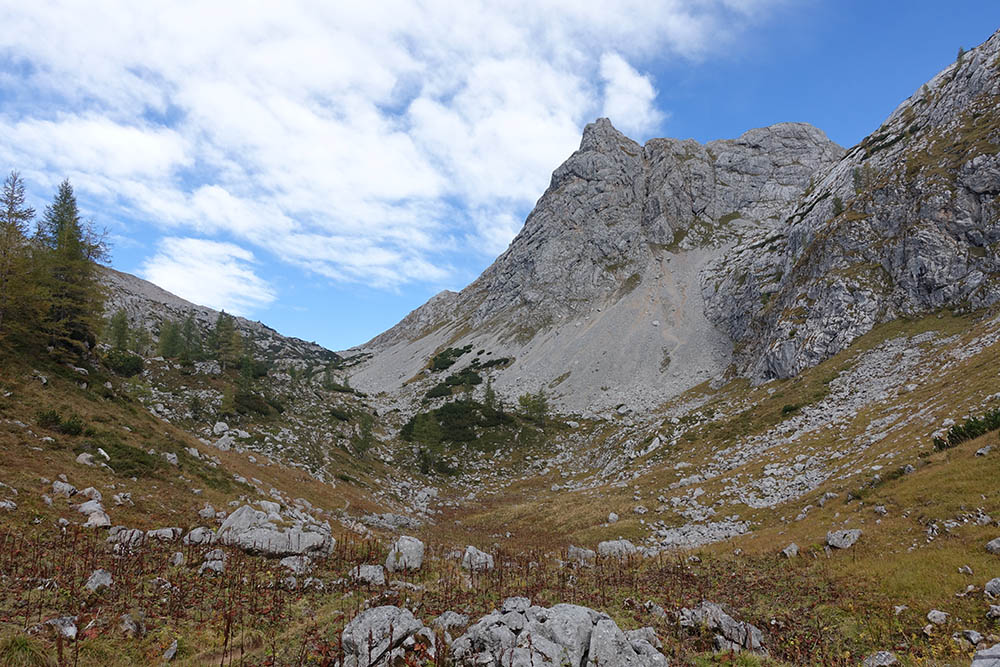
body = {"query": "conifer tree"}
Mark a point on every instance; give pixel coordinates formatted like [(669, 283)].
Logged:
[(75, 294), (119, 331), (20, 301)]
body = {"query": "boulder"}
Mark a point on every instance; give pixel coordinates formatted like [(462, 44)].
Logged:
[(732, 634), (992, 588), (993, 546), (407, 553), (298, 565), (164, 534), (383, 636), (373, 575), (63, 489), (791, 551), (475, 560), (200, 535), (616, 548), (988, 657), (566, 634), (255, 532), (843, 539)]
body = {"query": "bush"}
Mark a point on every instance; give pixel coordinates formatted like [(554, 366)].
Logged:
[(342, 415), (124, 363), (49, 419), (72, 425), (439, 390), (245, 403), (972, 428), (447, 357), (789, 408)]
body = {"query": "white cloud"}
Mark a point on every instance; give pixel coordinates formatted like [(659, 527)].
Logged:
[(363, 141), (629, 97), (210, 273)]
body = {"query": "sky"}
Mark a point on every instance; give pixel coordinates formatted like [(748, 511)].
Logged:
[(326, 167)]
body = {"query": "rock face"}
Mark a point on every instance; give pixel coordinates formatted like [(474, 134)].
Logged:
[(566, 634), (603, 279), (255, 531), (904, 224), (644, 265)]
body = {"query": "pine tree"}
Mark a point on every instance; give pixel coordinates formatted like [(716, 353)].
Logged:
[(20, 300), (75, 294), (192, 340), (171, 344), (490, 395)]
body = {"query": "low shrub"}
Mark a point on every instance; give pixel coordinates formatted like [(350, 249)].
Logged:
[(971, 428), (124, 363)]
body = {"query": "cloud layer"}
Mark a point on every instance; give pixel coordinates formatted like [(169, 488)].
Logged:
[(369, 142)]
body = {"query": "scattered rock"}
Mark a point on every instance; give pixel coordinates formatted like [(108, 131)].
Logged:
[(383, 636), (171, 652), (581, 556), (522, 634), (254, 532), (200, 535), (8, 505), (98, 579), (298, 565), (993, 546), (842, 539), (450, 620), (733, 634), (983, 451), (937, 617), (212, 567), (612, 517), (177, 559), (988, 657), (881, 659), (475, 560), (407, 553), (164, 534), (86, 458), (133, 624), (992, 588), (791, 551), (63, 489), (373, 575), (64, 626), (616, 548)]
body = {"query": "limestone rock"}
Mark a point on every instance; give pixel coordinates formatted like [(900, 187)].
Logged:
[(377, 634), (616, 548), (407, 553), (254, 532), (843, 539), (732, 634), (475, 560), (98, 579)]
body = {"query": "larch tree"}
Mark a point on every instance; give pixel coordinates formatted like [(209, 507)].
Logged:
[(20, 300)]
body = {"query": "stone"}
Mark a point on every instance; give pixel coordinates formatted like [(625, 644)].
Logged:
[(842, 539), (165, 534), (98, 579), (475, 560), (994, 613), (988, 657), (8, 505), (298, 565), (207, 512), (791, 551), (881, 659), (993, 546), (133, 624), (972, 637), (171, 652), (178, 559), (581, 556), (64, 626), (98, 520), (373, 635), (254, 532), (937, 617), (212, 567), (983, 451), (732, 634), (220, 428), (992, 588), (64, 489), (373, 575), (616, 548), (522, 634), (450, 620), (406, 553), (86, 458), (612, 517), (200, 535)]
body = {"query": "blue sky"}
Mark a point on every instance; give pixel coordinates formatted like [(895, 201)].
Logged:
[(327, 167)]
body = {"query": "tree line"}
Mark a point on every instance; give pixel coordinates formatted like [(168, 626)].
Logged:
[(50, 291)]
